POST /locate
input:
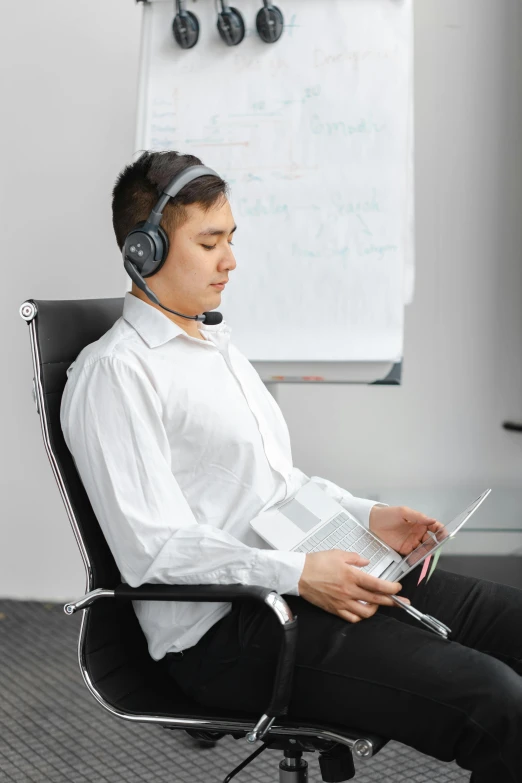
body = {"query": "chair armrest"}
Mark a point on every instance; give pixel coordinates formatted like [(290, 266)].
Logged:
[(211, 592), (285, 665)]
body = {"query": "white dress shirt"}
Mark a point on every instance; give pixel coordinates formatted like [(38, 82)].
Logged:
[(179, 444)]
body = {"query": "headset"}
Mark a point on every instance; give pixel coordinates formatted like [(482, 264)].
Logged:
[(230, 25), (146, 246), (269, 22), (185, 26)]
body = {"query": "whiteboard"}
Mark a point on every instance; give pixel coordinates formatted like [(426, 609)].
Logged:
[(314, 136)]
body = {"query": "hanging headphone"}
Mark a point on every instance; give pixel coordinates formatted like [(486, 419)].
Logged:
[(146, 246), (269, 22), (185, 26), (230, 25)]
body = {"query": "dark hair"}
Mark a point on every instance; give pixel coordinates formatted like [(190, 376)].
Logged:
[(140, 183)]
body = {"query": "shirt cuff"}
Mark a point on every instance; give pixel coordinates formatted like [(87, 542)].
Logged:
[(360, 508), (278, 570)]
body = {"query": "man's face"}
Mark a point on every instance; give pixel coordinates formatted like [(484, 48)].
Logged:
[(200, 254)]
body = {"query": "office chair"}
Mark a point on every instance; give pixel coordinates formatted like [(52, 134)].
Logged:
[(112, 650)]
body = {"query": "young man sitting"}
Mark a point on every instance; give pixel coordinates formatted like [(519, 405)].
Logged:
[(179, 445)]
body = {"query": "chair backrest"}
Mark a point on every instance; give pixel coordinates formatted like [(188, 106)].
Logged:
[(61, 329), (113, 649)]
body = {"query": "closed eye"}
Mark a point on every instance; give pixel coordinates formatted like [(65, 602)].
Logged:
[(211, 247)]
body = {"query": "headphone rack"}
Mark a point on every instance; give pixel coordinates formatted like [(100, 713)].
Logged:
[(230, 24)]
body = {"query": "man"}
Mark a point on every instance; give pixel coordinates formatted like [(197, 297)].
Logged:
[(179, 445)]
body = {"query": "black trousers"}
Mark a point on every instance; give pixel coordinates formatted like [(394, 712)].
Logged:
[(453, 699)]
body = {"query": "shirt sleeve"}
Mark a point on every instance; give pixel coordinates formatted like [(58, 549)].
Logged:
[(113, 427), (359, 507)]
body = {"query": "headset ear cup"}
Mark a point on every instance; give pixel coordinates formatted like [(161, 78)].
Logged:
[(164, 250), (186, 29), (231, 26), (269, 24), (155, 247)]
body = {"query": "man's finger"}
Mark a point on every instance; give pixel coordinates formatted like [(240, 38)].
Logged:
[(372, 597), (432, 524), (439, 530), (377, 585), (422, 519), (417, 517)]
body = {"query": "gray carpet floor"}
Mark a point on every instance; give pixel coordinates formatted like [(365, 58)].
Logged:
[(53, 730)]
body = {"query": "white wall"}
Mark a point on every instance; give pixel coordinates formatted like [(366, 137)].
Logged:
[(69, 74)]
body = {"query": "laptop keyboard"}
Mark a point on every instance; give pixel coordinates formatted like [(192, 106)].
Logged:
[(342, 532)]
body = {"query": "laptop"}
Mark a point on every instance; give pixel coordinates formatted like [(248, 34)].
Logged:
[(312, 521)]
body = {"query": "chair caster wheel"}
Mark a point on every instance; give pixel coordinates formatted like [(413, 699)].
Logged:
[(206, 743), (205, 739)]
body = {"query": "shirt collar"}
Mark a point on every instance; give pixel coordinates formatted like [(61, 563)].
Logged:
[(156, 328)]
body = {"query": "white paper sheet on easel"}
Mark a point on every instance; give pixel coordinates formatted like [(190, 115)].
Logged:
[(314, 136)]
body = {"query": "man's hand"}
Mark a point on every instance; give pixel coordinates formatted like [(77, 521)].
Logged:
[(402, 528), (333, 580)]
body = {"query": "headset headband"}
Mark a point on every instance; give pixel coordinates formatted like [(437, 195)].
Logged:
[(174, 187)]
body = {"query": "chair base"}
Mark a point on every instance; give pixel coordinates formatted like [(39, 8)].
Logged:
[(335, 760), (293, 768)]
